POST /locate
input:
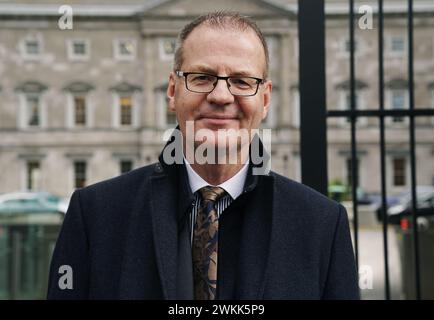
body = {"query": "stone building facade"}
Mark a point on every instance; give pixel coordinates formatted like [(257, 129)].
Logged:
[(85, 104)]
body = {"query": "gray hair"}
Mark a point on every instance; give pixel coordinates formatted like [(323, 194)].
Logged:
[(223, 20)]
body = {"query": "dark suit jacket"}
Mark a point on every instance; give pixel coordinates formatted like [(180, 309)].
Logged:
[(124, 238)]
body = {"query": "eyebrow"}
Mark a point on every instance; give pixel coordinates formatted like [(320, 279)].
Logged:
[(209, 70)]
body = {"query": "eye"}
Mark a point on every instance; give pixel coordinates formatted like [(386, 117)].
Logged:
[(241, 82), (202, 78)]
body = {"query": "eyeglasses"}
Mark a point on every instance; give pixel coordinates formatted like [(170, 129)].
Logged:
[(205, 83)]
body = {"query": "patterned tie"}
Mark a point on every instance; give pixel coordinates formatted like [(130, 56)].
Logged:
[(205, 244)]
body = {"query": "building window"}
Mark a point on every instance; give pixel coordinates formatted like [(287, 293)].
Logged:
[(167, 48), (33, 175), (399, 172), (397, 45), (78, 49), (126, 166), (348, 104), (79, 174), (347, 46), (125, 49), (350, 173), (358, 105), (33, 111), (398, 103), (32, 47), (126, 106), (79, 110)]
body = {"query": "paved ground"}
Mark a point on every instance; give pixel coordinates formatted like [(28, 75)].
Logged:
[(371, 264)]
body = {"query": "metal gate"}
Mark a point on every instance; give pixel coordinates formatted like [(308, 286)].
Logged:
[(314, 115)]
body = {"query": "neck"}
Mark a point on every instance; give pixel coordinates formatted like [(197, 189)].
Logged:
[(216, 174)]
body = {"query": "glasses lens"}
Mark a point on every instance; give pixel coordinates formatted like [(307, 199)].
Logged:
[(243, 86), (200, 82), (205, 83)]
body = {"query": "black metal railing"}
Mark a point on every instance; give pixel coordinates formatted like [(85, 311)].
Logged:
[(314, 114)]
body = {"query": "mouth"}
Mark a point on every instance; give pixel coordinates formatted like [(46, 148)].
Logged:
[(218, 120)]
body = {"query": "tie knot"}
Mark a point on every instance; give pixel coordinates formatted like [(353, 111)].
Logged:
[(211, 194)]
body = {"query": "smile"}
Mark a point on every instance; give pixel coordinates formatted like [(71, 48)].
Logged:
[(218, 121)]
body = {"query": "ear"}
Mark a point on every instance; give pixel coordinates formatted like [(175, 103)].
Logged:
[(171, 92), (266, 98)]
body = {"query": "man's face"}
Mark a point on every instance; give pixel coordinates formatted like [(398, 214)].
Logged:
[(222, 52)]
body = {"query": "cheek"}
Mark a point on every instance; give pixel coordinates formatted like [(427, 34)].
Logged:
[(253, 112), (187, 105)]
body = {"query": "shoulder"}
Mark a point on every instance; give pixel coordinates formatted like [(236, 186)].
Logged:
[(291, 193), (297, 189), (127, 183)]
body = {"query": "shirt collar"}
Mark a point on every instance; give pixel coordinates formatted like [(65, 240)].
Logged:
[(234, 186)]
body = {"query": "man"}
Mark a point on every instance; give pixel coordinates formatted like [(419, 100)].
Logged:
[(208, 229)]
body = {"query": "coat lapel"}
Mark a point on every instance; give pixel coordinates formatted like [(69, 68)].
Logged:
[(255, 242), (139, 248), (165, 232)]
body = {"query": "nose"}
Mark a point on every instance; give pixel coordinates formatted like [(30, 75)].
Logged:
[(221, 94)]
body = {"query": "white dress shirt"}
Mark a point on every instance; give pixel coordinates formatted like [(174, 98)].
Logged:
[(233, 186)]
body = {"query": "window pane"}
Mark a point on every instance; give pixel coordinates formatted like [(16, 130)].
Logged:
[(79, 48), (80, 110), (347, 45), (126, 48), (398, 100), (398, 45), (399, 172), (33, 111), (33, 175), (80, 174), (169, 46), (32, 47), (126, 112), (398, 103), (348, 104), (126, 165), (350, 173)]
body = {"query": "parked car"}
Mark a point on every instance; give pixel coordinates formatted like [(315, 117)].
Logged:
[(397, 211), (31, 202)]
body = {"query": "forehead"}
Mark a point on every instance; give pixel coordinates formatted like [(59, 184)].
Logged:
[(224, 50)]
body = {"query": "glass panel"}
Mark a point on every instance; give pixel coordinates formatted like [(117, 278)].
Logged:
[(126, 48), (398, 103), (33, 175), (80, 110), (169, 46), (79, 48), (126, 110), (80, 174), (33, 111), (398, 44), (126, 165), (32, 47), (349, 164), (399, 172)]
